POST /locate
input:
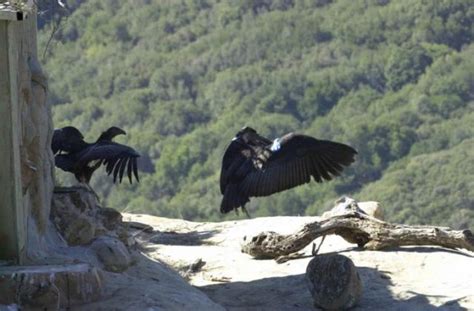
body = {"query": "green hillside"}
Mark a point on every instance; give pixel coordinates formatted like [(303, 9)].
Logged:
[(394, 79)]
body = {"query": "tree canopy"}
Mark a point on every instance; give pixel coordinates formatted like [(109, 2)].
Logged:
[(393, 79)]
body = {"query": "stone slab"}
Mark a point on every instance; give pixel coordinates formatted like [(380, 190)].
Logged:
[(49, 286)]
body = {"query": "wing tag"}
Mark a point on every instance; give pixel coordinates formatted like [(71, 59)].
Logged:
[(276, 145)]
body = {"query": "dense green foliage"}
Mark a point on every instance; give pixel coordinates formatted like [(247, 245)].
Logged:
[(394, 79)]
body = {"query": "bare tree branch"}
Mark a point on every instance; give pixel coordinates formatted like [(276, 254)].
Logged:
[(357, 227)]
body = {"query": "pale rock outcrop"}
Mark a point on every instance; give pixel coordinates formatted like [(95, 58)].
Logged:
[(404, 278)]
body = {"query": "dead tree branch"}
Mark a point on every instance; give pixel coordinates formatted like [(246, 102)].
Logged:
[(358, 228)]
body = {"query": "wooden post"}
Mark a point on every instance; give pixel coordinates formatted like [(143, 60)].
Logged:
[(12, 216)]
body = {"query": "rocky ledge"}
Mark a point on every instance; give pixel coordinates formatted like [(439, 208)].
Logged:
[(209, 256)]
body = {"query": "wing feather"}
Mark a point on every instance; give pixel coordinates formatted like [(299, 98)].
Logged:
[(306, 170), (315, 170), (291, 172), (107, 151), (122, 169), (117, 168), (110, 165), (301, 173), (114, 156), (298, 158), (129, 170), (135, 169), (321, 168), (327, 165)]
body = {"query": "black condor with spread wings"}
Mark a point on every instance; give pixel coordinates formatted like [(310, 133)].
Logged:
[(74, 155), (254, 166)]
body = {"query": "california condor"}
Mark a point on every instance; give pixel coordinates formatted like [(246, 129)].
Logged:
[(74, 155), (254, 166)]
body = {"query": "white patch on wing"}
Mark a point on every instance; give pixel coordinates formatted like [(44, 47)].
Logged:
[(235, 138), (276, 145), (93, 163)]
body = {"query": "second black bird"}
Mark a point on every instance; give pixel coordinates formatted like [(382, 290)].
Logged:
[(74, 155)]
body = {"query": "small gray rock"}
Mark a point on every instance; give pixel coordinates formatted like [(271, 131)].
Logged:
[(80, 230), (111, 218), (112, 253), (333, 282)]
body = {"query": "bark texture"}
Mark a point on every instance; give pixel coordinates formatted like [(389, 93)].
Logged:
[(352, 224)]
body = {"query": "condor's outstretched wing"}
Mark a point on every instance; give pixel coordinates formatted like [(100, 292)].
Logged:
[(116, 157), (68, 139), (293, 160)]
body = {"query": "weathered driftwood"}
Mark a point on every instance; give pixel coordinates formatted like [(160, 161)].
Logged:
[(356, 227)]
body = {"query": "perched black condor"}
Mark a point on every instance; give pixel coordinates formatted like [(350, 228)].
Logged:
[(68, 139), (254, 166), (74, 155)]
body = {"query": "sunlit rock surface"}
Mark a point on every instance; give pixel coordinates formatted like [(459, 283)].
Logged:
[(408, 278)]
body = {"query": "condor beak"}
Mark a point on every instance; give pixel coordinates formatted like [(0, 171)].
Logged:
[(115, 131)]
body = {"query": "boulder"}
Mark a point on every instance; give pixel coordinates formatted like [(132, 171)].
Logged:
[(49, 287), (79, 230), (334, 282), (110, 218), (72, 212), (113, 254), (79, 218)]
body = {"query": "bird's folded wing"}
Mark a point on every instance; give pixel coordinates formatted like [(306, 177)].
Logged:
[(65, 162), (67, 139), (233, 159), (297, 159)]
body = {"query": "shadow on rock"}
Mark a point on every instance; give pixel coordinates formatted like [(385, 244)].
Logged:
[(291, 293), (411, 249), (429, 249), (187, 238), (149, 285), (275, 293)]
